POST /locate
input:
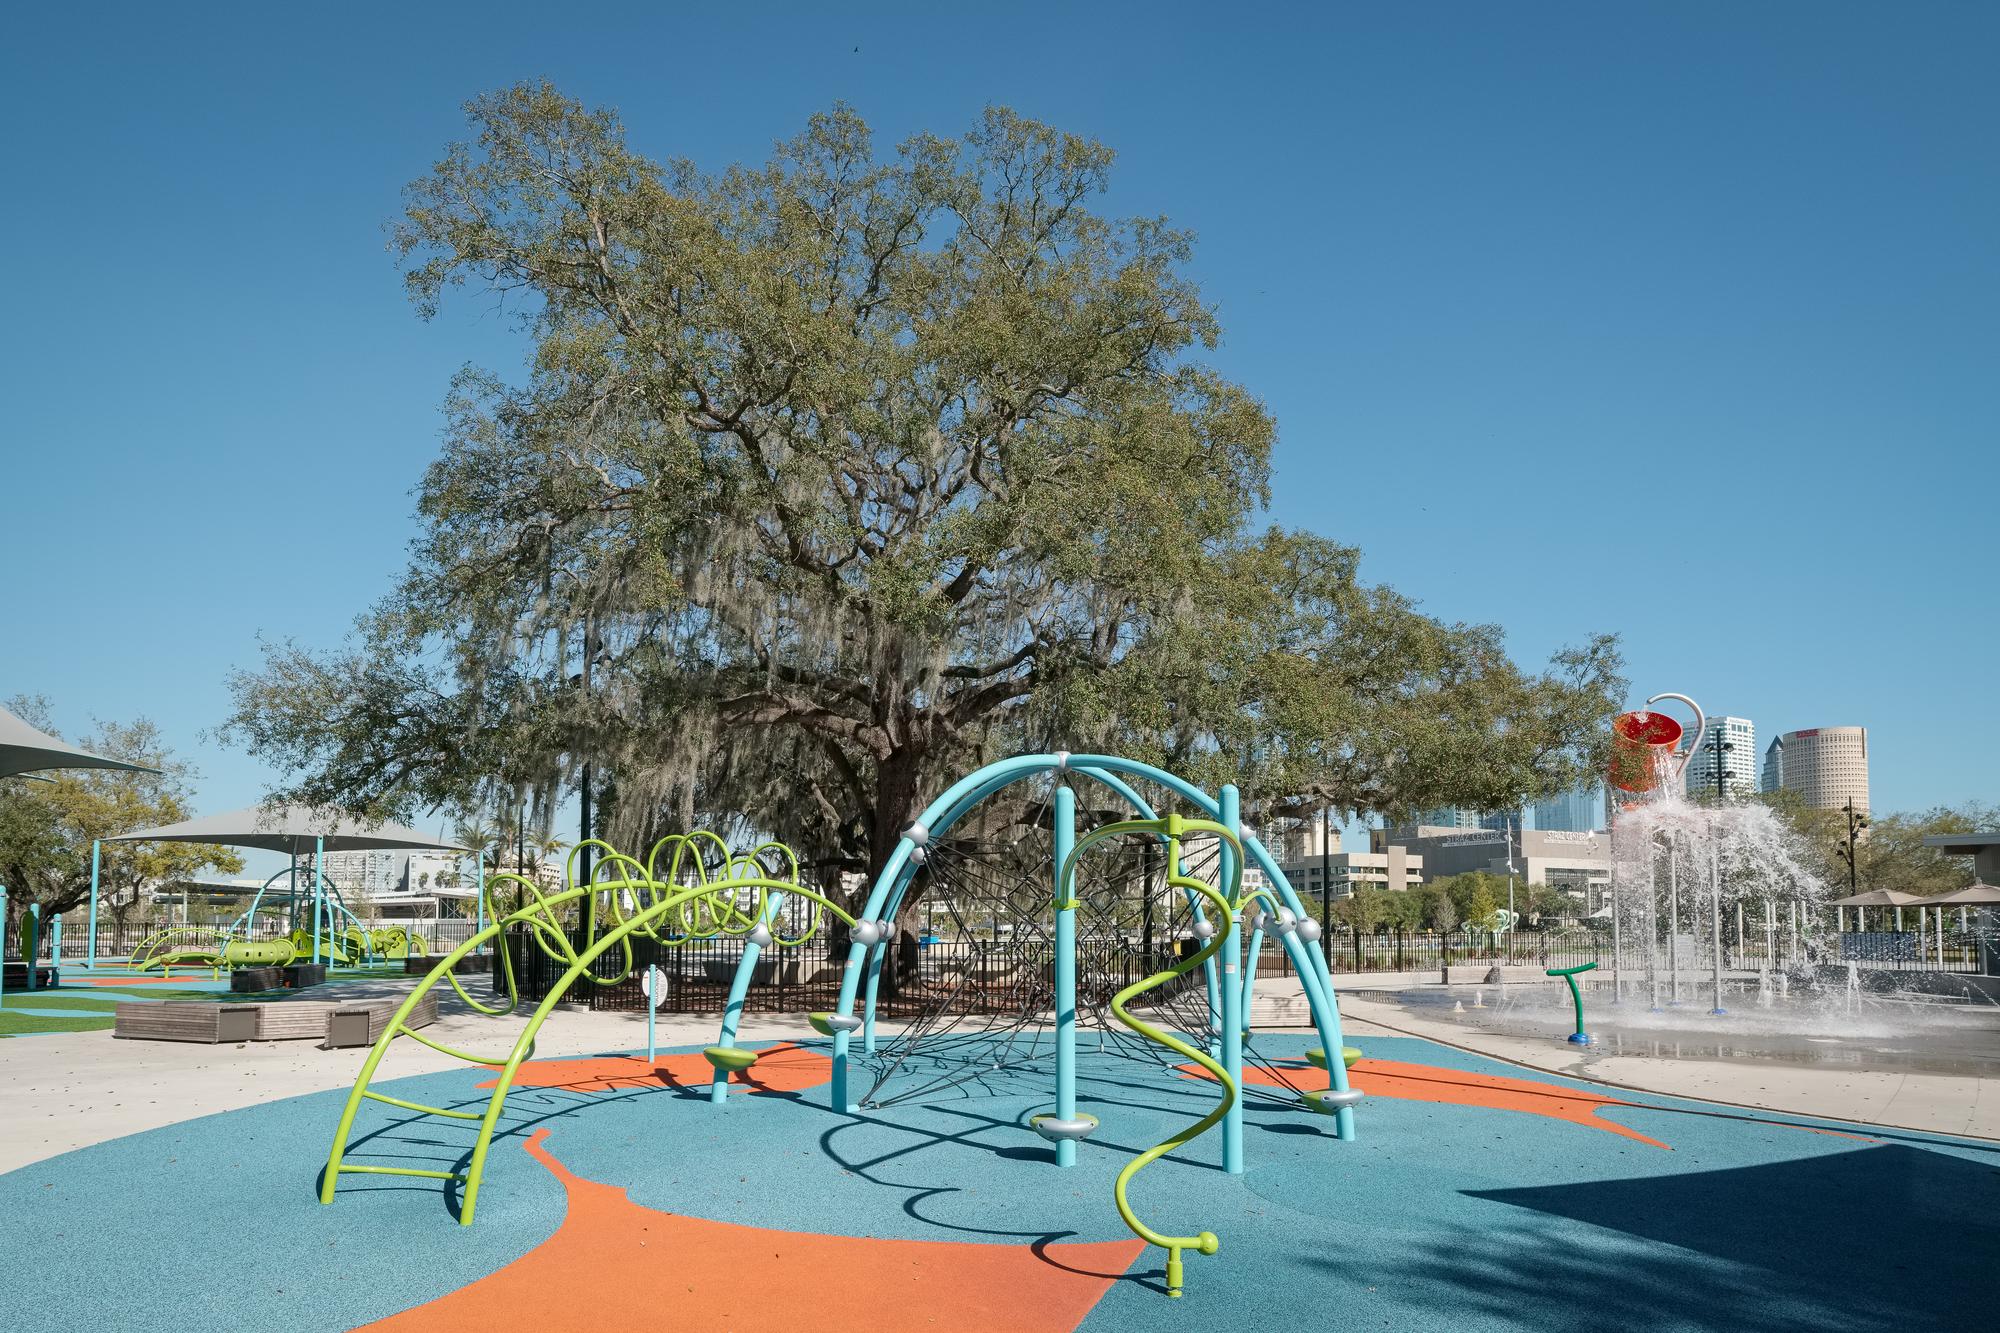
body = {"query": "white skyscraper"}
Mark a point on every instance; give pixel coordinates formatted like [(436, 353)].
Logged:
[(1739, 758)]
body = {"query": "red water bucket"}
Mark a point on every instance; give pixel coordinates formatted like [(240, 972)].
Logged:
[(1642, 748)]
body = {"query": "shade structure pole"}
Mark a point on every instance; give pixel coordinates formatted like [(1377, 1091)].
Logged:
[(479, 910), (90, 949), (3, 945), (319, 892)]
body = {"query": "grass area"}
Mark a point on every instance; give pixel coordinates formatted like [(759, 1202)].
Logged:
[(20, 1023)]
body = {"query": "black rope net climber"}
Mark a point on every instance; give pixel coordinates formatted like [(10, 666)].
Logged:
[(978, 1006)]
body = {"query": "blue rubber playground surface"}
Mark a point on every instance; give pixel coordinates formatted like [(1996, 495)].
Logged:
[(1477, 1196)]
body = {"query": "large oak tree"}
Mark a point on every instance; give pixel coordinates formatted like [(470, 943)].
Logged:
[(831, 475)]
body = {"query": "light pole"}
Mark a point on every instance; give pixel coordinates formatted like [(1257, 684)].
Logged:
[(1718, 750), (1849, 847)]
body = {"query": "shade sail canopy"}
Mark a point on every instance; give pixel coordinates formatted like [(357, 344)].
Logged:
[(1882, 898), (23, 749), (1972, 895), (294, 830)]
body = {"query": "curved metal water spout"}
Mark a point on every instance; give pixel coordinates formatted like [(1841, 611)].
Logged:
[(1700, 727)]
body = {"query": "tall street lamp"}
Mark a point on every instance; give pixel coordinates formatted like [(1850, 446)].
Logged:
[(1849, 847)]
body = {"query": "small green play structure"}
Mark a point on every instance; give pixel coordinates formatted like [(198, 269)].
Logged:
[(1578, 1037), (702, 893)]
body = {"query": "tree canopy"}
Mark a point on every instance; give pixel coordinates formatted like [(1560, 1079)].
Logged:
[(47, 827), (831, 476)]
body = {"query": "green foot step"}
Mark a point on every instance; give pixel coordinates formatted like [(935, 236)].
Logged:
[(729, 1059), (1348, 1055)]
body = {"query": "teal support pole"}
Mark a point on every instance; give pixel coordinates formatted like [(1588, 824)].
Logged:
[(3, 945), (90, 948), (1232, 990), (55, 942), (31, 939), (319, 891), (1251, 952), (1065, 843), (739, 989), (479, 911)]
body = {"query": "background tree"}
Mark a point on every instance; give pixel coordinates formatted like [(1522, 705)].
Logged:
[(46, 828), (832, 475), (1892, 851)]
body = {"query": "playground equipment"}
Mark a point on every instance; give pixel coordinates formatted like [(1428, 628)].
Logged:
[(705, 892), (1085, 899), (1089, 931), (205, 947), (1578, 1037), (1107, 915)]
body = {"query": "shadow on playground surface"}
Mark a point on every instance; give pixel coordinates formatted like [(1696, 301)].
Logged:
[(1476, 1197)]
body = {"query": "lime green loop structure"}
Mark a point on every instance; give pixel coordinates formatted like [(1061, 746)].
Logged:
[(1173, 828), (622, 901)]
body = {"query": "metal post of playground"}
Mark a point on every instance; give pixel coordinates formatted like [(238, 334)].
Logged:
[(3, 944), (319, 890), (1232, 988), (655, 988), (90, 949), (1065, 906), (479, 911), (31, 939)]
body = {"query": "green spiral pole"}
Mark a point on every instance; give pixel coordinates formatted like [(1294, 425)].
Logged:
[(1172, 828)]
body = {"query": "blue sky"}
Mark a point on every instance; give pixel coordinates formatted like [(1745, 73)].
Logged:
[(1674, 320)]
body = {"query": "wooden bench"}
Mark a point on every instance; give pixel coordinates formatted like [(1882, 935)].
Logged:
[(332, 1022)]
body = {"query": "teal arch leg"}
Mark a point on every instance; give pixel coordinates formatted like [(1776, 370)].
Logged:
[(1065, 842), (732, 1009), (1232, 992)]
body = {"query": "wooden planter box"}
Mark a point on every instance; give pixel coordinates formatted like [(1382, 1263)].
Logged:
[(185, 1020), (333, 1022), (364, 1022)]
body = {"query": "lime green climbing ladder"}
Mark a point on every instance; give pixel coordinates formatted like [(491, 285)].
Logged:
[(635, 903)]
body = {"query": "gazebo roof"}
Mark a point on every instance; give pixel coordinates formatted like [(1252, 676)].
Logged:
[(1972, 895), (23, 749), (1882, 898), (295, 830)]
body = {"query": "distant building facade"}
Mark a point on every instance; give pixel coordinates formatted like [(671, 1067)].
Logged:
[(1575, 863), (1394, 868), (1739, 759), (1581, 809), (1826, 766)]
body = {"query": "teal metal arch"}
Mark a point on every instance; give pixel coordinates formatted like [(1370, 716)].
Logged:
[(1229, 991)]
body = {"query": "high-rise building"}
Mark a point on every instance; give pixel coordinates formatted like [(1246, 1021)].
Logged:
[(1578, 810), (1826, 766), (1464, 816), (369, 874), (1739, 758)]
